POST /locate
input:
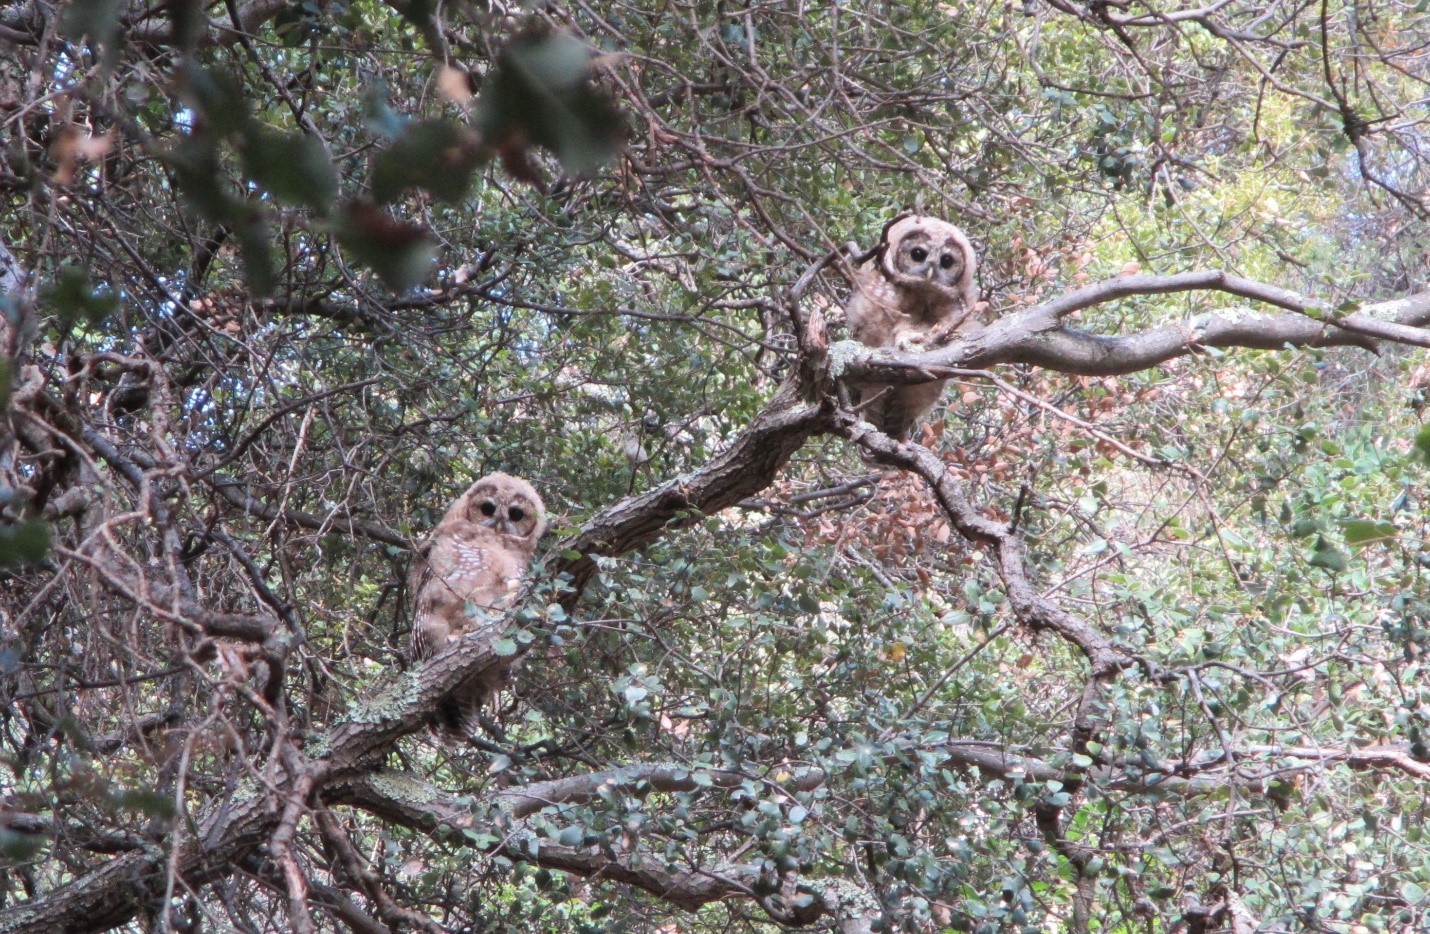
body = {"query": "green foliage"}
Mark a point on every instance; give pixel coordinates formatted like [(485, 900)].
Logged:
[(436, 155), (400, 253), (96, 20), (24, 543), (291, 167), (74, 299), (1422, 444), (321, 295), (540, 92)]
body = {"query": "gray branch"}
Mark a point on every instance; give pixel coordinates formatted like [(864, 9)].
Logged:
[(1039, 336)]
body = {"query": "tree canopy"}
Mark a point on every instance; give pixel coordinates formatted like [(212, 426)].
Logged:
[(1129, 637)]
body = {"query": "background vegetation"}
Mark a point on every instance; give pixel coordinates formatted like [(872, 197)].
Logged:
[(282, 279)]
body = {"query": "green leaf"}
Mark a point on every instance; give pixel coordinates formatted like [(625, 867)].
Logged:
[(571, 836), (25, 543), (73, 298), (540, 92), (96, 19), (1422, 443), (144, 801), (217, 98), (400, 253), (377, 114), (417, 12), (439, 156), (292, 167), (504, 648), (1361, 532), (18, 847), (295, 24), (1329, 557), (255, 246)]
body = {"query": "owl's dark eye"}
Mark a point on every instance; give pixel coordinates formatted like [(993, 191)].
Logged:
[(516, 513), (946, 260), (489, 508), (919, 254)]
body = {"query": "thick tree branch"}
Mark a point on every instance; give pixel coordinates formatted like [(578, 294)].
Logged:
[(1038, 336), (745, 468)]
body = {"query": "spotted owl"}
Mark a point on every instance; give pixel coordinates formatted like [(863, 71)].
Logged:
[(467, 570), (914, 293)]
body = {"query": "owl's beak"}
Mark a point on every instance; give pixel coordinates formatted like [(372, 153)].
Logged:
[(929, 273)]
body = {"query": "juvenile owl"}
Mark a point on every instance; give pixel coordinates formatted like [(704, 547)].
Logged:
[(467, 571), (914, 293)]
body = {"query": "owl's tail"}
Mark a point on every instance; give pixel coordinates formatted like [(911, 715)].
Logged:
[(894, 418), (459, 718)]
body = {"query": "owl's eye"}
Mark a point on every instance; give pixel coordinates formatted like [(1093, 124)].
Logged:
[(489, 508), (516, 513), (919, 254), (946, 260)]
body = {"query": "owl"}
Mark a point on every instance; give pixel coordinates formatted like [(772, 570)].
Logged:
[(914, 293), (467, 571)]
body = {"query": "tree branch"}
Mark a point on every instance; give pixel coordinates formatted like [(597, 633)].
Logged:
[(1038, 336)]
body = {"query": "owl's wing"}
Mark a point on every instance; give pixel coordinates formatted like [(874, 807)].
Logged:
[(873, 308)]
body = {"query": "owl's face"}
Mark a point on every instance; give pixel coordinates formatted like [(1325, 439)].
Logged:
[(923, 255), (930, 256), (508, 505)]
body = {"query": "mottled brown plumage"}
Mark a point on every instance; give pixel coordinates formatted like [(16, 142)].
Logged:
[(467, 570), (916, 292)]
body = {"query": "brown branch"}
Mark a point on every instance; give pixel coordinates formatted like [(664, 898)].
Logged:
[(242, 496), (413, 803), (345, 757), (356, 869), (1031, 607), (243, 444), (748, 466)]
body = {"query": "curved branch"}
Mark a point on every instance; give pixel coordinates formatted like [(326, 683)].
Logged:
[(1038, 336), (1031, 607), (414, 803)]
